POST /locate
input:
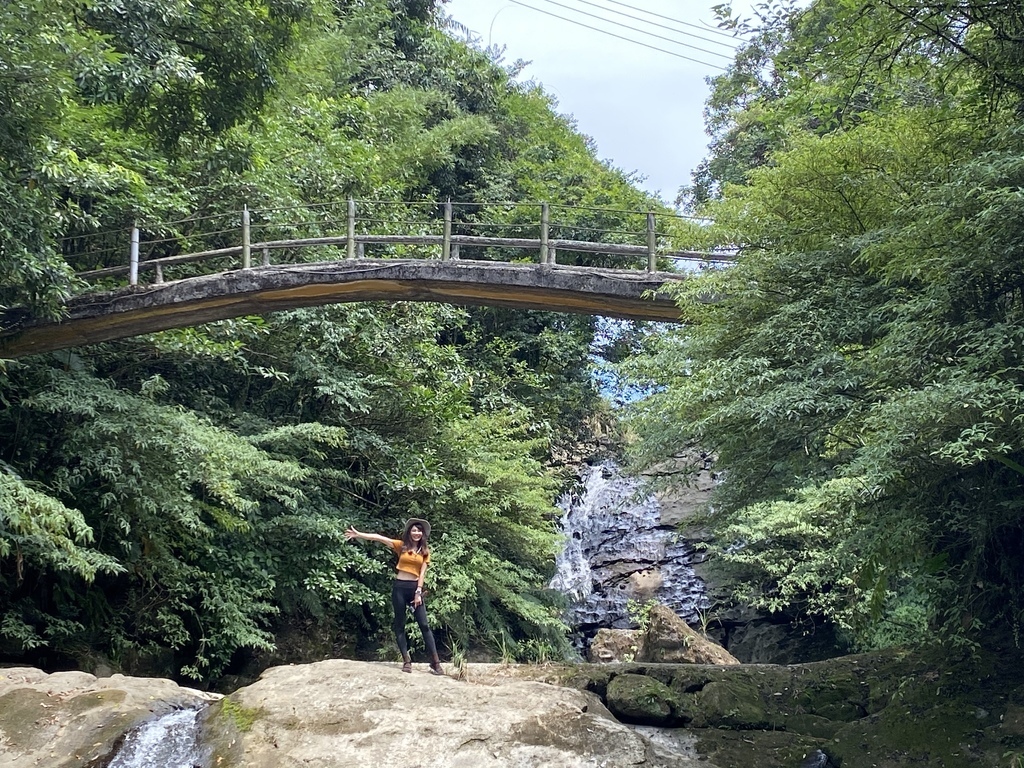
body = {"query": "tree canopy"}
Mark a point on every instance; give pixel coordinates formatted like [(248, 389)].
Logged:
[(858, 375), (178, 502)]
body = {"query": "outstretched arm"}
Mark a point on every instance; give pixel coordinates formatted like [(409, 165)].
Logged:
[(352, 533)]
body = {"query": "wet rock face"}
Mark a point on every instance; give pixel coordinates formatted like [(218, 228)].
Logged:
[(619, 548), (625, 544), (77, 720)]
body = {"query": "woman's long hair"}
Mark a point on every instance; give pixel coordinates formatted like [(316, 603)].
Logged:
[(408, 545)]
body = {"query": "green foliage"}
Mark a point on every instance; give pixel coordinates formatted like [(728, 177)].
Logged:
[(164, 490), (174, 501), (182, 68), (41, 531), (858, 375), (640, 612)]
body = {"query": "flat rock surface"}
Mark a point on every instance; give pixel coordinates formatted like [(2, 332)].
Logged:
[(350, 714)]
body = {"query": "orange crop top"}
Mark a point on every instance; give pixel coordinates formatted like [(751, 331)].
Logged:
[(409, 562)]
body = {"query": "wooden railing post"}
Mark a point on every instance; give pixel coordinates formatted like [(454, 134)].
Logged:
[(133, 257), (246, 254), (266, 257), (446, 244), (543, 233), (351, 228), (652, 244)]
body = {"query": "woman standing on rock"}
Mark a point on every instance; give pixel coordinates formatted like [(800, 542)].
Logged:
[(407, 589)]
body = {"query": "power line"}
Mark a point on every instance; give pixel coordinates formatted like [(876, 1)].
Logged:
[(712, 30), (620, 37), (732, 44), (637, 29)]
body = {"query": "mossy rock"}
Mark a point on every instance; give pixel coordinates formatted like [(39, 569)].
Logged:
[(947, 735), (812, 725), (763, 749), (641, 700), (735, 704), (833, 698), (663, 673), (850, 687), (589, 677)]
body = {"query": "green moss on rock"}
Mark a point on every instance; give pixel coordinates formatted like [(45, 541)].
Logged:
[(750, 749), (225, 722), (241, 717), (812, 725), (734, 704), (641, 699)]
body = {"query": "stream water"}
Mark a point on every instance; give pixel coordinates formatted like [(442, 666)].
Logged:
[(169, 741), (616, 550)]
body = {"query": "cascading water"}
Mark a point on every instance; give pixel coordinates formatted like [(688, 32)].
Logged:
[(617, 549), (169, 741)]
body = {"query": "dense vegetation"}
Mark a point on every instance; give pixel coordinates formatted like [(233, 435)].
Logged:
[(859, 378), (177, 501), (174, 502)]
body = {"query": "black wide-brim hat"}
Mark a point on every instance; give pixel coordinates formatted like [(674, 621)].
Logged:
[(423, 524)]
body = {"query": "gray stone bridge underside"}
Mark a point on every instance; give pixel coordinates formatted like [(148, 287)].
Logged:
[(142, 309)]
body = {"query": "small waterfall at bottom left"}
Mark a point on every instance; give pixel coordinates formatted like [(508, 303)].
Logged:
[(169, 741)]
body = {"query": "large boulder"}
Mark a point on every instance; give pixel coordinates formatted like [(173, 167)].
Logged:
[(77, 720), (349, 714), (616, 645), (643, 700), (734, 703), (669, 639)]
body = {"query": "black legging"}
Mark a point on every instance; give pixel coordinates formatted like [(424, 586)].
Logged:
[(403, 592)]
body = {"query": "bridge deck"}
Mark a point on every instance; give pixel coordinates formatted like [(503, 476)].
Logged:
[(144, 309)]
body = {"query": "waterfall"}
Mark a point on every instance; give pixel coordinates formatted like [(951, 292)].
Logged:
[(169, 741), (616, 549)]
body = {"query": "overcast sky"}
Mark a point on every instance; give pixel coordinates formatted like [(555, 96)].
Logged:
[(643, 107)]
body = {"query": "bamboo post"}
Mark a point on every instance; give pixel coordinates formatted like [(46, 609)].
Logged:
[(446, 245), (133, 257), (246, 254), (351, 228), (552, 254), (652, 244), (455, 251), (159, 273), (543, 233), (266, 257)]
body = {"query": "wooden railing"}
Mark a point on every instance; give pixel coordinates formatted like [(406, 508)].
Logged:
[(353, 243)]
